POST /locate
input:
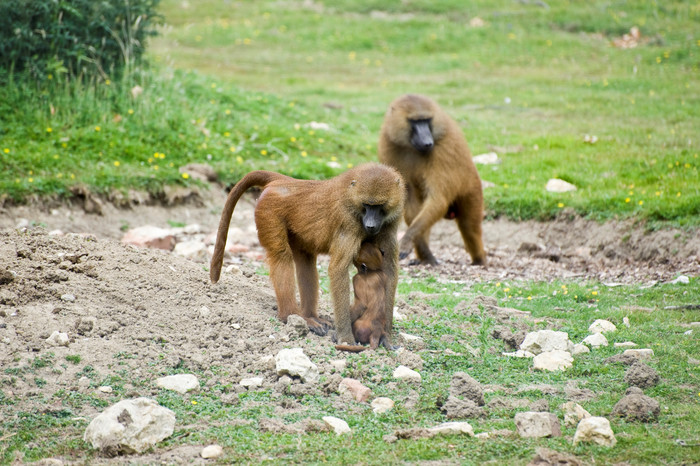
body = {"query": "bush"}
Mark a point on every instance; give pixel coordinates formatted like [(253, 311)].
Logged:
[(77, 38)]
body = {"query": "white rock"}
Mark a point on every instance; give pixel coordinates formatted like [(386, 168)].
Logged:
[(193, 229), (338, 425), (556, 360), (252, 382), (626, 321), (212, 451), (319, 125), (409, 338), (573, 413), (339, 364), (382, 405), (204, 312), (399, 317), (294, 362), (58, 339), (596, 430), (130, 426), (181, 383), (596, 340), (265, 363), (191, 249), (149, 236), (625, 344), (546, 340), (404, 373), (69, 298), (452, 428), (489, 158), (487, 184), (555, 185), (602, 326), (644, 353), (682, 279), (105, 389), (533, 424), (580, 349), (519, 354)]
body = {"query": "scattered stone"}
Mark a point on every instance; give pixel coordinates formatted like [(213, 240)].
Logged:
[(547, 457), (181, 383), (453, 428), (252, 382), (532, 424), (456, 408), (464, 386), (519, 354), (546, 340), (625, 344), (596, 340), (489, 158), (212, 451), (573, 413), (295, 363), (595, 430), (130, 426), (339, 364), (85, 325), (149, 236), (338, 425), (602, 326), (626, 321), (553, 361), (404, 373), (555, 185), (68, 298), (104, 389), (58, 339), (580, 349), (6, 277), (641, 375), (637, 407), (641, 354), (682, 279), (382, 405), (297, 324), (354, 388), (191, 249)]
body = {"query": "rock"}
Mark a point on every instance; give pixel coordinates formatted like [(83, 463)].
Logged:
[(625, 344), (355, 389), (404, 373), (682, 279), (338, 425), (298, 326), (58, 339), (265, 363), (382, 405), (546, 340), (339, 364), (626, 321), (130, 426), (181, 383), (640, 354), (85, 325), (68, 298), (489, 158), (192, 249), (212, 451), (547, 457), (519, 354), (149, 236), (464, 386), (573, 413), (456, 408), (555, 185), (602, 326), (596, 340), (641, 375), (553, 361), (104, 389), (252, 382), (532, 424), (295, 363), (595, 430), (452, 428), (637, 407), (580, 349)]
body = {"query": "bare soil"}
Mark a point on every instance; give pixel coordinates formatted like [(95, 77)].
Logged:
[(144, 312)]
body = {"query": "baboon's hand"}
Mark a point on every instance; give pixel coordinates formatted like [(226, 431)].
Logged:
[(319, 326)]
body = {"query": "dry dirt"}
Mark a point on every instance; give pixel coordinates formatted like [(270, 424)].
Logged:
[(149, 311)]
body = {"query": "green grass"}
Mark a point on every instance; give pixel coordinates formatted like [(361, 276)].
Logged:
[(265, 70), (570, 306)]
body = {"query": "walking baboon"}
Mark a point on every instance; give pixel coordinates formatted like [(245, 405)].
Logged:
[(429, 150), (299, 219), (368, 312)]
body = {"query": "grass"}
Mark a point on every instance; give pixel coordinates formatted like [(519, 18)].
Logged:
[(533, 78), (57, 430)]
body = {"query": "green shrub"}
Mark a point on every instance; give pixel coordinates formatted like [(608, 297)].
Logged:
[(86, 38)]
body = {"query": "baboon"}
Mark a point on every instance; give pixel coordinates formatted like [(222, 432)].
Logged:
[(429, 150), (368, 313), (299, 219)]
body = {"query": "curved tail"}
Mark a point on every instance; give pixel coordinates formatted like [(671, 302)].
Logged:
[(257, 178)]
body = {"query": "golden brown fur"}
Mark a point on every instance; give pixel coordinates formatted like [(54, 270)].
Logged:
[(429, 150), (299, 219)]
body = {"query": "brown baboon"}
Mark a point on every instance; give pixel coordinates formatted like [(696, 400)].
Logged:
[(428, 148), (299, 219), (368, 313)]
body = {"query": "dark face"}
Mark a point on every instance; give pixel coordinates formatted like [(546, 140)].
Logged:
[(372, 218), (422, 135)]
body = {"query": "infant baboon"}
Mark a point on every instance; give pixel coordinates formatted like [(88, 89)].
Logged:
[(429, 150)]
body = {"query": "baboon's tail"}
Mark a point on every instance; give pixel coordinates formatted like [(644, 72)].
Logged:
[(257, 178)]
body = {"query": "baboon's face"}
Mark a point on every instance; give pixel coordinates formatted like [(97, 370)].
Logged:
[(422, 134)]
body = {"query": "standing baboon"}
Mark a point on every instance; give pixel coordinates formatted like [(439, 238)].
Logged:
[(429, 150), (368, 312), (299, 219)]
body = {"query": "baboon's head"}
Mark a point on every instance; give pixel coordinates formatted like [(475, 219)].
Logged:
[(414, 121), (376, 195), (369, 258)]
